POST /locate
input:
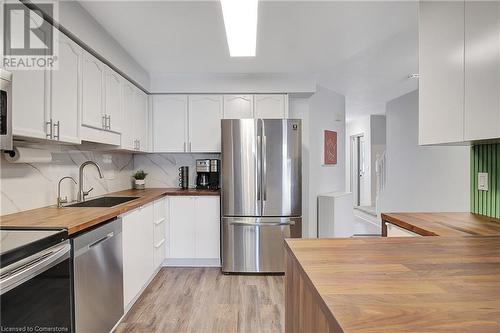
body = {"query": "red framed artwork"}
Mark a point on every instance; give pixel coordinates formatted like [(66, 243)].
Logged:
[(330, 147)]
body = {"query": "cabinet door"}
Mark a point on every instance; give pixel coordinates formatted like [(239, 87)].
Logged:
[(127, 128), (29, 95), (65, 91), (160, 221), (182, 227), (482, 70), (170, 123), (205, 113), (270, 106), (138, 265), (113, 99), (29, 114), (141, 128), (207, 210), (441, 68), (92, 95), (238, 106)]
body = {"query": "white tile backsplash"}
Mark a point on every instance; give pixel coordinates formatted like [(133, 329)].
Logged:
[(163, 169), (26, 186)]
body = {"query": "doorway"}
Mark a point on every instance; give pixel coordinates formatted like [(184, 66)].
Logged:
[(357, 168)]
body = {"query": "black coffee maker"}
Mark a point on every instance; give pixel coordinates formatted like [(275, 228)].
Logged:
[(207, 174)]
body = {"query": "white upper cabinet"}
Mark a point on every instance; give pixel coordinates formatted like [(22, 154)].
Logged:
[(482, 70), (141, 116), (270, 106), (441, 69), (238, 106), (65, 94), (29, 115), (170, 123), (205, 114), (93, 92), (128, 141), (113, 100)]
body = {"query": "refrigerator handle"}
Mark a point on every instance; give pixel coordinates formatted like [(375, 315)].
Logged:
[(259, 167), (264, 164)]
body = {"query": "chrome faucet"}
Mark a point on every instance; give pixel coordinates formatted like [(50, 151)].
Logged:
[(60, 200), (81, 193)]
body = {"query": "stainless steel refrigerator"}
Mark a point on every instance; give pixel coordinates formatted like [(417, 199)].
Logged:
[(261, 192)]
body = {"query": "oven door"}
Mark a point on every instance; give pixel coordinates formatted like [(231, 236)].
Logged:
[(5, 110), (36, 293)]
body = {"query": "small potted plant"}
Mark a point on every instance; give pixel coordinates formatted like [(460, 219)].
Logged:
[(140, 179)]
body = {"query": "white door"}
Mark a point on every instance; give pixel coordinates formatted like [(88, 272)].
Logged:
[(182, 227), (65, 91), (141, 100), (441, 69), (482, 70), (238, 106), (30, 97), (29, 115), (113, 100), (207, 227), (269, 106), (138, 263), (205, 113), (127, 128), (93, 87), (170, 123)]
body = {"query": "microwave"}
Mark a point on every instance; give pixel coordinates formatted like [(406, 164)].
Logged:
[(5, 110)]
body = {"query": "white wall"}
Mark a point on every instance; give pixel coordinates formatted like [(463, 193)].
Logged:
[(325, 110), (429, 178), (79, 22), (232, 83)]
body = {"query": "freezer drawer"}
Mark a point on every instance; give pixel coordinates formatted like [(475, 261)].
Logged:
[(255, 245)]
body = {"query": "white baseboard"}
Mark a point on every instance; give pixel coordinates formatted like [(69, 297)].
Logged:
[(192, 262)]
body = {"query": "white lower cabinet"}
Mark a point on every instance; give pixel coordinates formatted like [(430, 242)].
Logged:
[(138, 257), (194, 231), (160, 235)]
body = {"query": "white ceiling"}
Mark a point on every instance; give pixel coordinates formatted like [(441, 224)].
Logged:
[(364, 50)]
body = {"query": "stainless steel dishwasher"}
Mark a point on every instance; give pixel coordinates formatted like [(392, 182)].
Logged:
[(98, 278)]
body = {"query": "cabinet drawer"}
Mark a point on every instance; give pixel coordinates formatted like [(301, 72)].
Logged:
[(159, 252), (159, 230), (395, 231)]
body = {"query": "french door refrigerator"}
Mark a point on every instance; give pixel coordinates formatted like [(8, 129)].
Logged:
[(261, 192)]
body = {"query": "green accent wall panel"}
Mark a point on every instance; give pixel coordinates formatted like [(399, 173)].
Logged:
[(486, 158)]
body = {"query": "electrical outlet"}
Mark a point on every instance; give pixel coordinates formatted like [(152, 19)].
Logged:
[(482, 181)]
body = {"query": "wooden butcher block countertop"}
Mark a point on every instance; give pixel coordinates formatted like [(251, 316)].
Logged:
[(415, 284), (76, 219), (443, 224)]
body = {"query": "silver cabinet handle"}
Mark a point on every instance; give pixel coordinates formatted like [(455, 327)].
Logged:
[(109, 122), (58, 126), (103, 121), (48, 125), (270, 224), (160, 221), (160, 243)]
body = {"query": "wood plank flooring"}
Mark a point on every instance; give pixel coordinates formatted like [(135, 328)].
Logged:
[(205, 300)]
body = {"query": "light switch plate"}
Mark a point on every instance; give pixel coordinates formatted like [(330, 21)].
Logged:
[(482, 181)]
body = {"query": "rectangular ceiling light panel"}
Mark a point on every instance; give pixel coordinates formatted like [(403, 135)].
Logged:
[(240, 20)]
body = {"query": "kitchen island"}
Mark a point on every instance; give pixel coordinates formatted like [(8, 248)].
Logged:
[(421, 284), (442, 223)]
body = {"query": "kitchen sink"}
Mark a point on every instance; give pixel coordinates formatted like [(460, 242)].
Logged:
[(103, 202)]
